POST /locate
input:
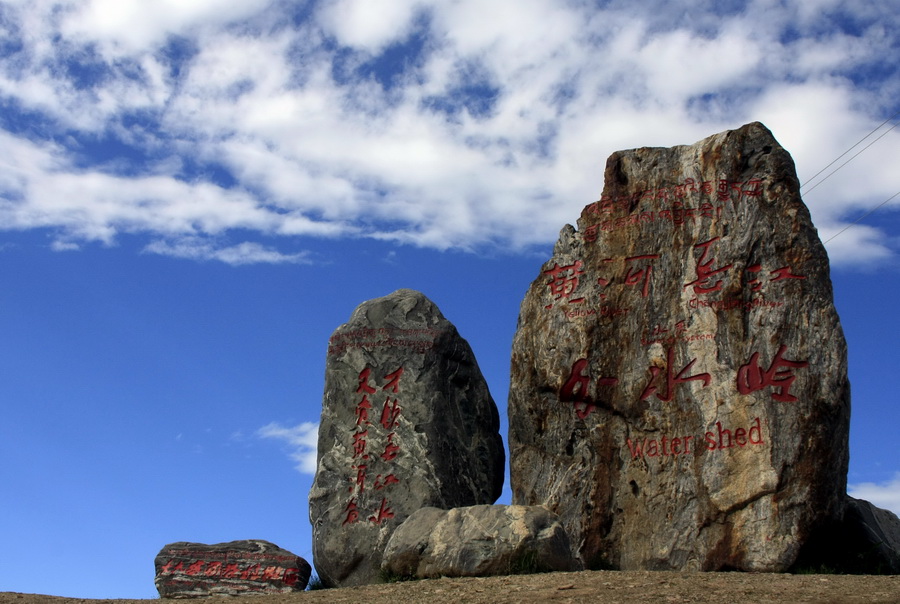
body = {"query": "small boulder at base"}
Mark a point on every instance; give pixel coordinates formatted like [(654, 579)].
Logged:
[(236, 568), (479, 541), (407, 422)]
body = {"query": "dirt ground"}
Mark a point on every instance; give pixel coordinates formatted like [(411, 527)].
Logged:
[(608, 587)]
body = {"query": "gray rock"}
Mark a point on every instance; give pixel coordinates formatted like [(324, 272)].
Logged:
[(479, 541), (407, 422), (679, 390), (188, 570), (865, 539)]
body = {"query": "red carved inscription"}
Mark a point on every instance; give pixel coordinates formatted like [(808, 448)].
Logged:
[(716, 439), (672, 380), (751, 377), (390, 419)]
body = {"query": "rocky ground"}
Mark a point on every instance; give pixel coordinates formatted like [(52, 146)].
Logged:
[(590, 586)]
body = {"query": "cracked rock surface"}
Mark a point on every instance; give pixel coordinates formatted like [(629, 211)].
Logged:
[(679, 390)]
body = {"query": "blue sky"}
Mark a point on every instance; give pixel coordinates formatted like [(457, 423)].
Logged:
[(195, 194)]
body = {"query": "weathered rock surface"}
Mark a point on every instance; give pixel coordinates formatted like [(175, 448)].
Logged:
[(479, 541), (407, 422), (188, 570), (679, 390), (865, 539)]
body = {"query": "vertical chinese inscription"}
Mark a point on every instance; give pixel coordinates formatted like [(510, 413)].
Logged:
[(407, 422), (383, 433)]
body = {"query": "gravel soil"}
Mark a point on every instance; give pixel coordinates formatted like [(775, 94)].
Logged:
[(590, 586)]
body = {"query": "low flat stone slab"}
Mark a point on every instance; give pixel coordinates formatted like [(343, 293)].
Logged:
[(479, 541), (190, 570)]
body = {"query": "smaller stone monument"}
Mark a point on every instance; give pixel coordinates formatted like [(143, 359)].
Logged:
[(189, 570), (407, 422)]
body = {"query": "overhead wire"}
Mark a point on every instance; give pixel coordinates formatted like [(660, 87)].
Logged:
[(852, 158), (851, 149), (861, 217), (835, 160)]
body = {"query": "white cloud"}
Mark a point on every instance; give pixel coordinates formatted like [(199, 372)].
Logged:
[(885, 495), (368, 25), (235, 255), (495, 134), (302, 439), (124, 26)]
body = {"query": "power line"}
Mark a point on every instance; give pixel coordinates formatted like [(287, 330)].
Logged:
[(852, 158), (835, 160), (851, 149), (861, 217)]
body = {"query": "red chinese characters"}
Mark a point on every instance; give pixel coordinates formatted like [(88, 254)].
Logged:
[(564, 281), (365, 430), (752, 378), (383, 513), (672, 380), (575, 389), (704, 282), (638, 270), (779, 274)]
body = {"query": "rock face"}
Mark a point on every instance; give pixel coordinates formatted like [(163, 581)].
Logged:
[(188, 570), (407, 422), (679, 390), (479, 541)]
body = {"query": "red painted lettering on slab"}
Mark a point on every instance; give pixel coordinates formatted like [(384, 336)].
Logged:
[(252, 573), (214, 569), (195, 568), (169, 568), (231, 571), (751, 377), (672, 380)]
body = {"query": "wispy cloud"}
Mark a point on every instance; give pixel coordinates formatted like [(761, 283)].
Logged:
[(235, 255), (301, 440), (447, 125), (884, 495)]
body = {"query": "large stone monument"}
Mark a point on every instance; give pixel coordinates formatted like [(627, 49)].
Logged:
[(679, 390), (407, 422)]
